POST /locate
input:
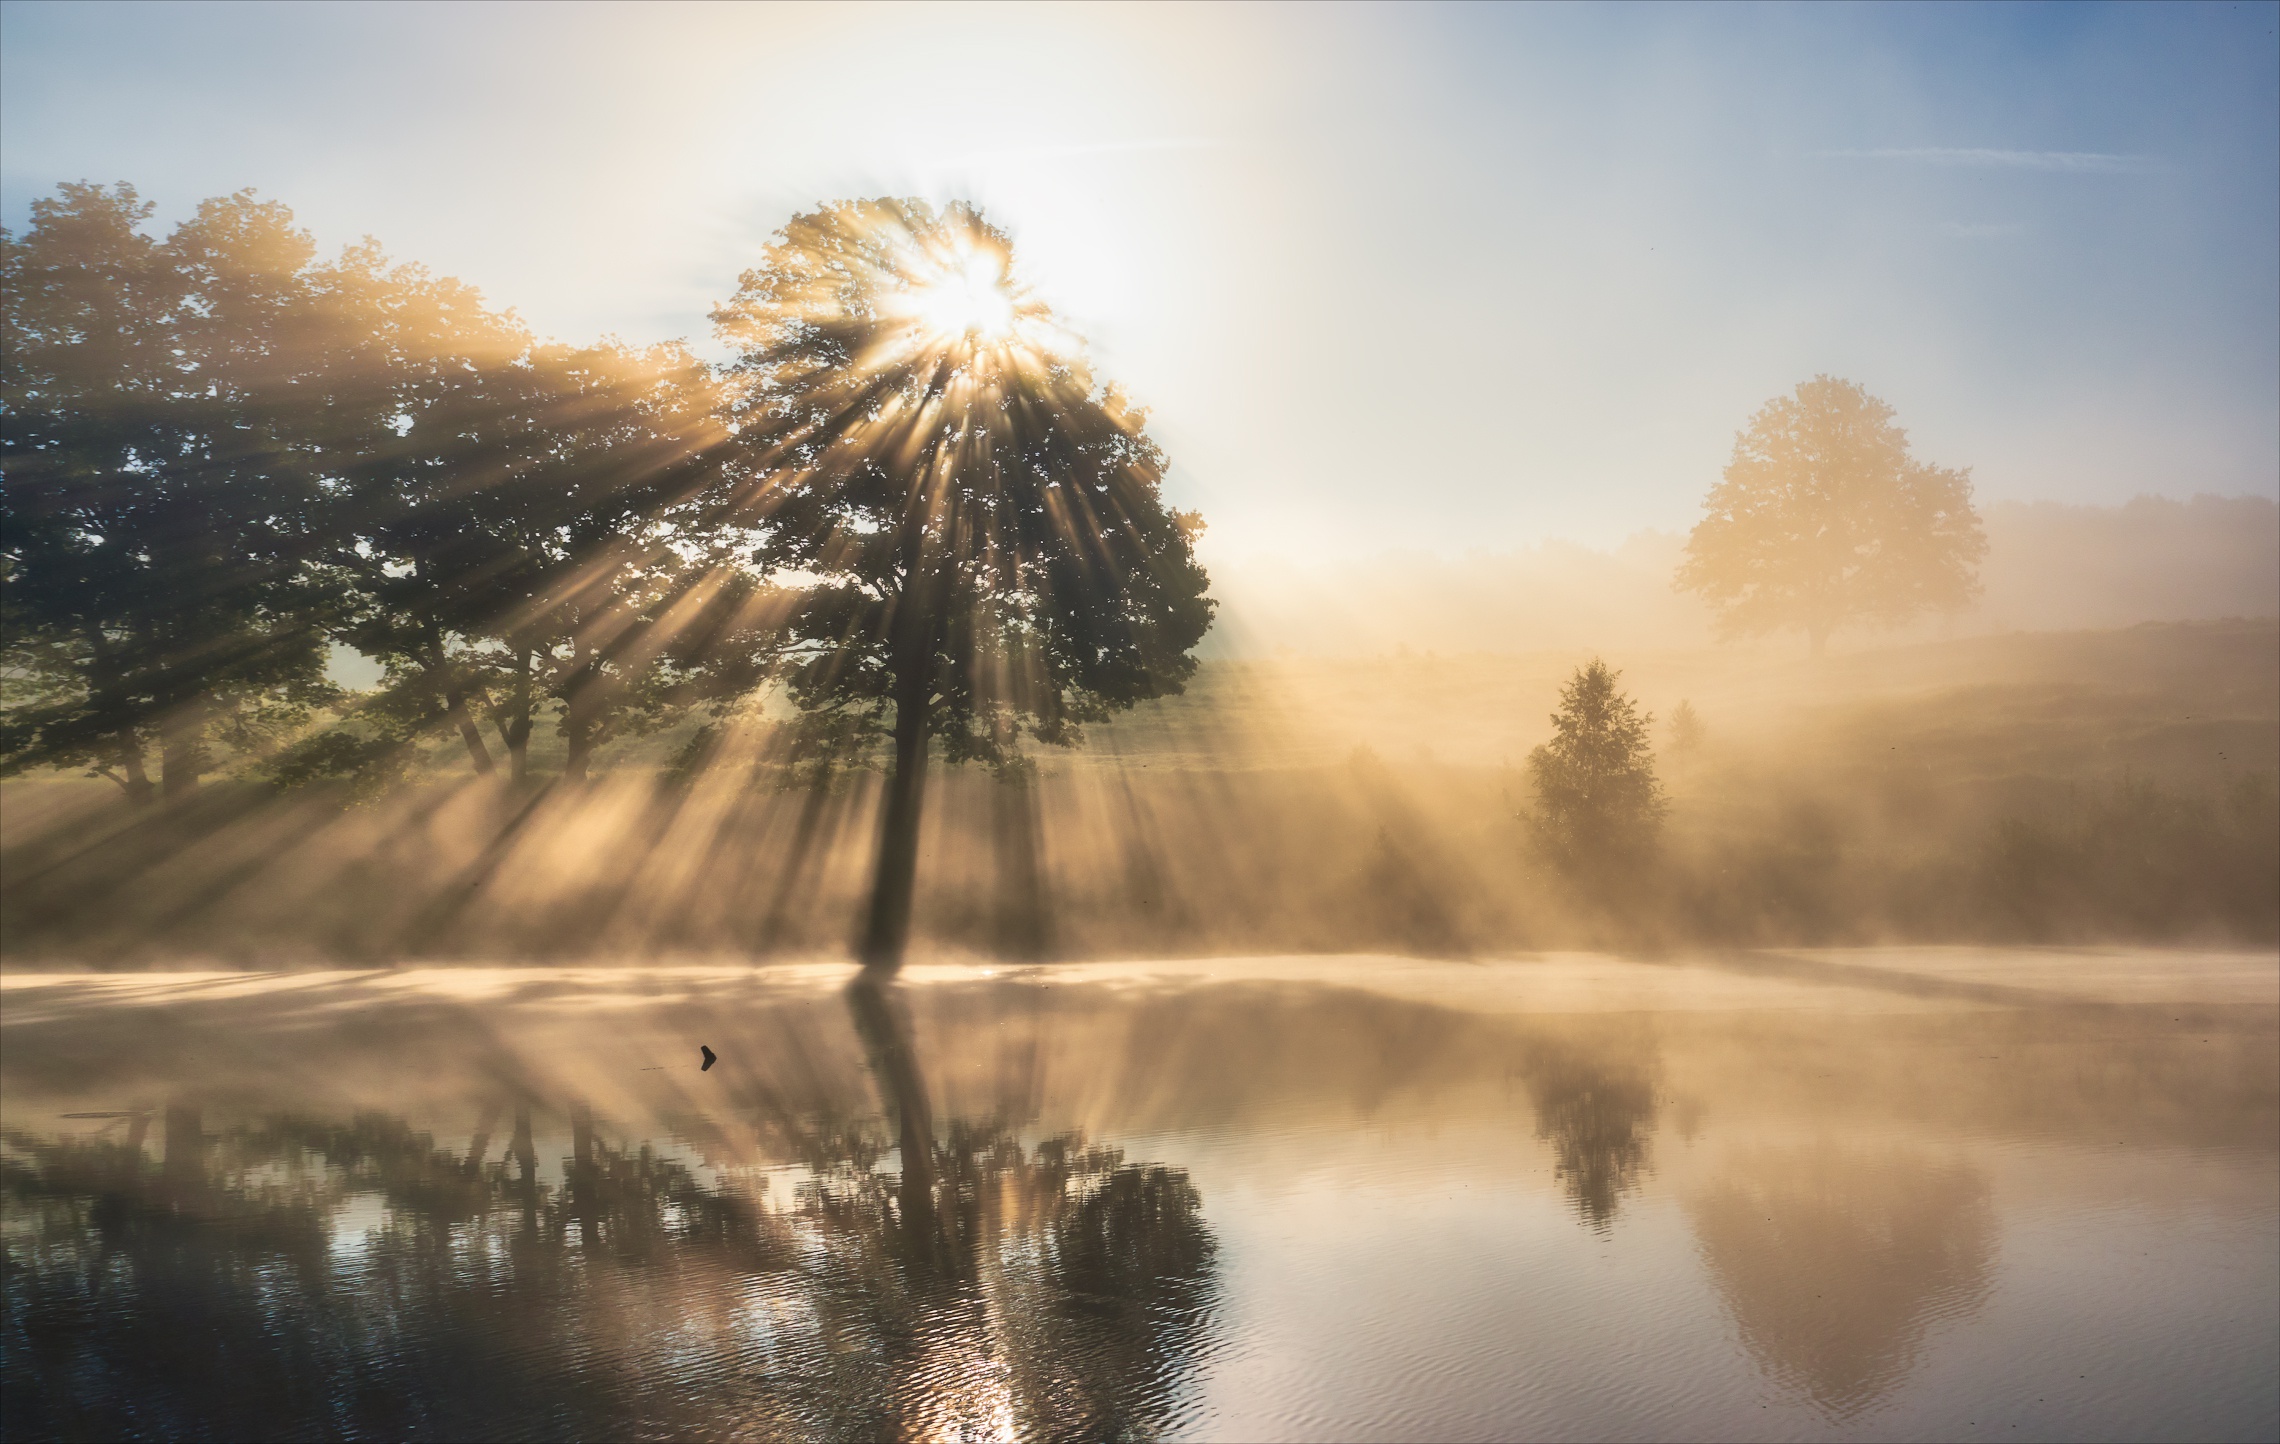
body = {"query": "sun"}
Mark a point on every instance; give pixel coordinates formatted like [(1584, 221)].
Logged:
[(970, 299)]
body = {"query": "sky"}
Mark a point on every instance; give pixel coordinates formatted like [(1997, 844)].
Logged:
[(1434, 280)]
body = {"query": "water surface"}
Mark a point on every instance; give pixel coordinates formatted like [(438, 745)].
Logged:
[(1895, 1194)]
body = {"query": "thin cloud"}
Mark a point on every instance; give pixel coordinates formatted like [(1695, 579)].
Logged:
[(1068, 152), (2077, 161)]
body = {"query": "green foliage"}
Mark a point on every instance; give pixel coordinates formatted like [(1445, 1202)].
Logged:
[(1823, 519), (1598, 803), (162, 409), (978, 525), (223, 456)]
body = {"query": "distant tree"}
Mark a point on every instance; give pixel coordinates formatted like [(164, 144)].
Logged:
[(978, 525), (162, 413), (1598, 803), (1823, 520), (1686, 729)]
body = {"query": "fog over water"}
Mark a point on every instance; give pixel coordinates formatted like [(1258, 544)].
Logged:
[(1954, 1193), (1098, 722)]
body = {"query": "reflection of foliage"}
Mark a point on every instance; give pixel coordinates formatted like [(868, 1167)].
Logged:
[(1598, 1116), (301, 1277), (1095, 1274), (1835, 1262)]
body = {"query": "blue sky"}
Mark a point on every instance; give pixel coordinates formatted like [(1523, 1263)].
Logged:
[(1414, 277)]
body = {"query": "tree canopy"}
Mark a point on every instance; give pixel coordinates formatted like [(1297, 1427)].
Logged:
[(977, 524), (906, 499), (224, 456), (161, 413), (1823, 519), (1599, 805)]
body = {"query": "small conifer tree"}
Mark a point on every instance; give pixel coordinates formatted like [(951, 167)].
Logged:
[(1598, 803)]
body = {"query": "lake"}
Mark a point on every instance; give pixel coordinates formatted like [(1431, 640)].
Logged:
[(1902, 1193)]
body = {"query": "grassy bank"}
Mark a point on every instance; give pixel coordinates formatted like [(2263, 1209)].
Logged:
[(2044, 787)]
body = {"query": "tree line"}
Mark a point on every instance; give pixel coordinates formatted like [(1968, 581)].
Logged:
[(224, 455), (905, 499)]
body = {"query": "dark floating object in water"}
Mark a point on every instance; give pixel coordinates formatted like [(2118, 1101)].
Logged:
[(709, 1058)]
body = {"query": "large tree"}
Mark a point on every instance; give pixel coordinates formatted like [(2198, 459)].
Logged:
[(978, 526), (509, 535), (163, 416), (1823, 519)]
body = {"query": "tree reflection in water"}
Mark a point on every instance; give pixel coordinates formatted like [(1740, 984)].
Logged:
[(1596, 1107), (295, 1277), (1837, 1261)]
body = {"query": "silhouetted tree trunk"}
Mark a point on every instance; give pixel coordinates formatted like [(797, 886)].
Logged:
[(182, 749), (455, 703), (578, 713), (894, 878), (133, 780), (513, 720), (455, 707), (104, 681)]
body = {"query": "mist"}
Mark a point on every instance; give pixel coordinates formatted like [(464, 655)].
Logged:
[(2051, 566), (1112, 722)]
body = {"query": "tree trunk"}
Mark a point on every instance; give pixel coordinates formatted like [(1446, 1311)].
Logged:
[(514, 720), (455, 707), (182, 749), (128, 743), (914, 627), (578, 709), (886, 929), (135, 781), (455, 703)]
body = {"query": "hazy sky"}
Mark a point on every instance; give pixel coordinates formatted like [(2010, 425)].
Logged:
[(1440, 279)]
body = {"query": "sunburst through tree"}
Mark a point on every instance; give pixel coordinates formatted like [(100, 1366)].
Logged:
[(978, 524)]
